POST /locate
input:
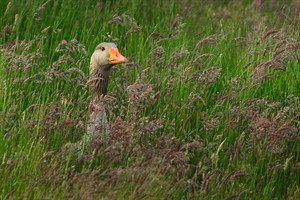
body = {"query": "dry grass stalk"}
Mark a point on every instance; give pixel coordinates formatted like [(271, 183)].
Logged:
[(126, 21), (207, 40), (162, 40), (269, 33), (241, 39), (154, 34), (206, 55), (211, 74), (39, 11), (7, 8), (116, 20)]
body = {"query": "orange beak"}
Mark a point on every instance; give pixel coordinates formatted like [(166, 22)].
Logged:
[(115, 57)]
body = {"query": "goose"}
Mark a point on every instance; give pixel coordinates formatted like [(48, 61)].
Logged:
[(105, 56)]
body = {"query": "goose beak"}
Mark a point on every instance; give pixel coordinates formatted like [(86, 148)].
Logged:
[(115, 57)]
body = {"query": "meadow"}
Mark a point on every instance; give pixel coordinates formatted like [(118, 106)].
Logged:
[(207, 107)]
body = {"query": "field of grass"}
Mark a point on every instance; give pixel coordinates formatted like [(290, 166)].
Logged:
[(208, 106)]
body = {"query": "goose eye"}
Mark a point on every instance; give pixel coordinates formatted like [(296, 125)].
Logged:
[(102, 48)]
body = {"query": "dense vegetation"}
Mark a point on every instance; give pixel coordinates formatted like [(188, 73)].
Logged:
[(208, 106)]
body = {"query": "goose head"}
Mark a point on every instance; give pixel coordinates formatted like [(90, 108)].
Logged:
[(104, 57)]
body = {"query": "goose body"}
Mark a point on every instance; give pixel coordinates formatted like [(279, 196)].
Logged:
[(105, 56)]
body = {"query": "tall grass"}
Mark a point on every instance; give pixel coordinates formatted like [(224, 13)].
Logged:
[(206, 108)]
